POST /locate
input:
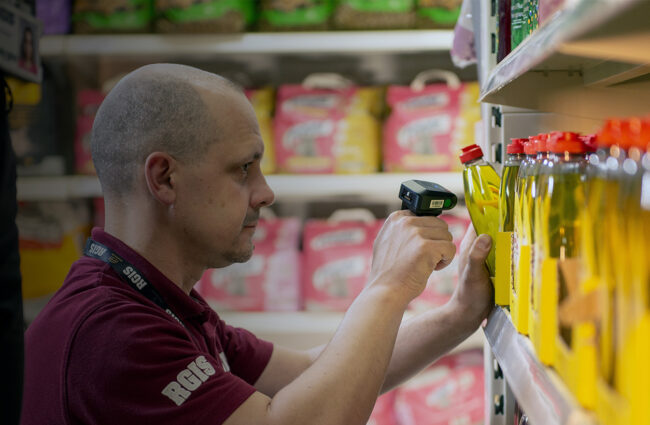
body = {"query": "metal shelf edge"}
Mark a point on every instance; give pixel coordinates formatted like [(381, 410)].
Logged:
[(248, 43), (568, 26), (543, 397), (382, 186)]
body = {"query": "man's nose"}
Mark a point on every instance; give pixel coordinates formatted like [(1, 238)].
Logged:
[(263, 196)]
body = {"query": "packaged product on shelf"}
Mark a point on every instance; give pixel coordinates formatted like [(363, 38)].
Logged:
[(451, 391), (503, 250), (336, 262), (51, 237), (520, 28), (55, 15), (262, 101), (621, 186), (33, 127), (326, 130), (481, 185), (426, 127), (437, 13), (638, 201), (295, 15), (529, 265), (522, 251), (565, 308), (88, 101), (211, 16), (269, 281), (114, 16), (441, 283), (504, 28), (384, 411), (377, 14)]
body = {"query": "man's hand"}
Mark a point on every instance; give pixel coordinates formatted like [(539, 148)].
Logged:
[(407, 250), (473, 298)]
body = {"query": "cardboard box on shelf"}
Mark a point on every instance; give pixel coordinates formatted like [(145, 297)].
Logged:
[(427, 127), (337, 258), (88, 101), (451, 391), (52, 237), (269, 281), (326, 130)]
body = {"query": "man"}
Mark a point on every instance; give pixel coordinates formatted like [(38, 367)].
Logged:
[(127, 340)]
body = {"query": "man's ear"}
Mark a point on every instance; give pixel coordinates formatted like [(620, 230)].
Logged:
[(158, 170)]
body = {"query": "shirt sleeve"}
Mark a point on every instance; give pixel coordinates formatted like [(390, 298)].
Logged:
[(247, 355), (132, 364)]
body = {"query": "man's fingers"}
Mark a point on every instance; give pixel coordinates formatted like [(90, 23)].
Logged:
[(447, 250), (477, 255)]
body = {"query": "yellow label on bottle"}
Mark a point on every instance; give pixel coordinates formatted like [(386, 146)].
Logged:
[(548, 299), (522, 287), (503, 269)]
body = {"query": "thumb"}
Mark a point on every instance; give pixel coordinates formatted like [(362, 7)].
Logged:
[(477, 255)]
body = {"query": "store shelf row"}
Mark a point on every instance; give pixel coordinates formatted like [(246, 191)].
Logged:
[(379, 186), (588, 59), (338, 42), (303, 330), (537, 388)]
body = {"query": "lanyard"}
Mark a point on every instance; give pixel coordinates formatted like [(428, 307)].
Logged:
[(129, 273)]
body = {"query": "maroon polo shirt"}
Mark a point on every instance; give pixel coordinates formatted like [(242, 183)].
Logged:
[(102, 353)]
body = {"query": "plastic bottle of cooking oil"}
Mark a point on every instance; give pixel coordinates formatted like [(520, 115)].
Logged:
[(638, 207), (631, 291), (481, 183), (503, 272), (521, 253), (564, 174), (532, 196)]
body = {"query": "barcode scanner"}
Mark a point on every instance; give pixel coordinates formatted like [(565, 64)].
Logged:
[(426, 198)]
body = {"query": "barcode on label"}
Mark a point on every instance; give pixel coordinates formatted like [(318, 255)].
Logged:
[(437, 203)]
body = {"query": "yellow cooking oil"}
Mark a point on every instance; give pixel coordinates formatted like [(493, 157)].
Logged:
[(615, 347), (481, 183), (640, 248), (522, 252), (503, 252), (561, 206)]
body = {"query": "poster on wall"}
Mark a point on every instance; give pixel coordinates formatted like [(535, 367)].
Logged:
[(19, 36)]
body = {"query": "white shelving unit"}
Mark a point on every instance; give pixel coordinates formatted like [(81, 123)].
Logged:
[(338, 42), (303, 330), (586, 63), (380, 186)]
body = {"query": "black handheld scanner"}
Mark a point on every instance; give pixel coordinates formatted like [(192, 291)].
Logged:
[(426, 198)]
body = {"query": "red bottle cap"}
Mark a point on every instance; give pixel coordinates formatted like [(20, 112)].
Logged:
[(470, 152), (610, 134), (529, 147), (517, 146), (561, 142), (638, 133), (539, 143), (590, 141)]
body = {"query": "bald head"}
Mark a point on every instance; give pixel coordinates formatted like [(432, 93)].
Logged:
[(157, 107)]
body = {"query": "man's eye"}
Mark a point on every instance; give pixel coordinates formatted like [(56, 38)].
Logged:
[(246, 166)]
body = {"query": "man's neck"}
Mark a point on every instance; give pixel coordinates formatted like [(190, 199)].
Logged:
[(159, 248)]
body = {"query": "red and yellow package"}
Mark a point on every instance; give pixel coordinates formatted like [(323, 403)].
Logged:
[(326, 130)]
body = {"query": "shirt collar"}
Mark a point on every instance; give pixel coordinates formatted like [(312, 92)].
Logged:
[(183, 305)]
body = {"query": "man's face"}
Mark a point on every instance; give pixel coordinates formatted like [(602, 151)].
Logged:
[(220, 195)]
